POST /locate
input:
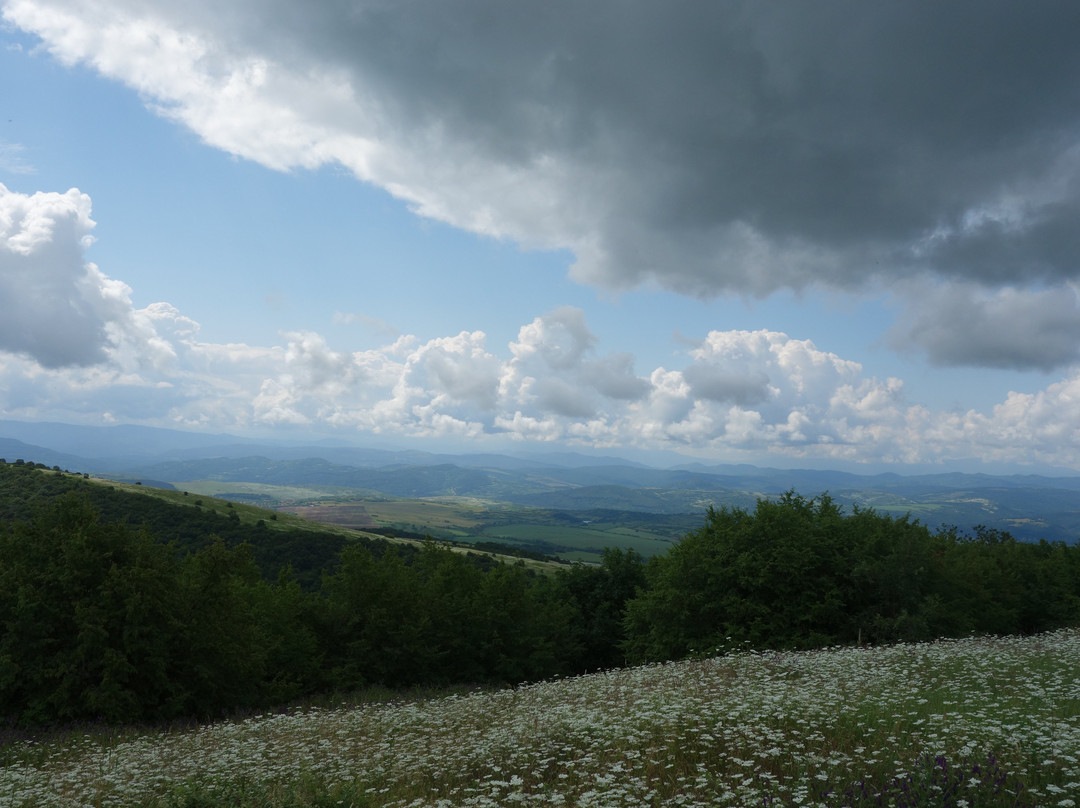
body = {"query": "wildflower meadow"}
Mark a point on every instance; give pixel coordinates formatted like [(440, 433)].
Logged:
[(971, 722)]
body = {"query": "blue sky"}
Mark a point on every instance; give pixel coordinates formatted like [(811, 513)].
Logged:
[(733, 233)]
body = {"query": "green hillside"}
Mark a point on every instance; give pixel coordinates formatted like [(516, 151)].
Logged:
[(122, 603), (188, 519)]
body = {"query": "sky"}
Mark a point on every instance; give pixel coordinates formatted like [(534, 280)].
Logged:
[(835, 234)]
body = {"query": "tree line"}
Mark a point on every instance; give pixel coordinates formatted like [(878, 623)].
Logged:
[(103, 620)]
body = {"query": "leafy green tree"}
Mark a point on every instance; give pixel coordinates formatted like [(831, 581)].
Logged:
[(599, 595), (524, 626), (284, 623), (452, 591), (896, 576), (89, 613), (374, 625), (795, 573), (225, 664), (440, 619)]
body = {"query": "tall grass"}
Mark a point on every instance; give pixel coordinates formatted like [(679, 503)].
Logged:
[(974, 722)]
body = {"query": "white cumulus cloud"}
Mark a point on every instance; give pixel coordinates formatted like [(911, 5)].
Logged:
[(54, 305), (73, 347)]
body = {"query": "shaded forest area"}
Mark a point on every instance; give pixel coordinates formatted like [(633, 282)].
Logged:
[(121, 607)]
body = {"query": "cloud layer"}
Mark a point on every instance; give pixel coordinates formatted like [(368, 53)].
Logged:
[(1010, 328), (72, 346), (712, 148)]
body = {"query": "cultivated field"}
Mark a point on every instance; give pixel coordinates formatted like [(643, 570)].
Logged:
[(582, 542), (573, 536), (975, 722)]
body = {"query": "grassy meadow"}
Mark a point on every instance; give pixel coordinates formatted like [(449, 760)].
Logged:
[(974, 722)]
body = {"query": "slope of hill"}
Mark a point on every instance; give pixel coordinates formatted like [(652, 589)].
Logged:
[(104, 619), (986, 722), (121, 602), (190, 521)]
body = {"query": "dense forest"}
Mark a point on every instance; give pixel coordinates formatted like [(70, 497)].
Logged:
[(121, 607)]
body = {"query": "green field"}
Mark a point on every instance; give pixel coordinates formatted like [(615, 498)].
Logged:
[(586, 542), (551, 532), (570, 535)]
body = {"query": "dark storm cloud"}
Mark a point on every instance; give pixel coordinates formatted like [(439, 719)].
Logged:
[(712, 148), (760, 145), (847, 129)]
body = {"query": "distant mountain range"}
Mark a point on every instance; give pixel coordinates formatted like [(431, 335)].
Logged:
[(1029, 506)]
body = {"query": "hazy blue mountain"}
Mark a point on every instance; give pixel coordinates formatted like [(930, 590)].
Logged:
[(1029, 506), (643, 500), (12, 450), (122, 448), (109, 441), (398, 480), (576, 459)]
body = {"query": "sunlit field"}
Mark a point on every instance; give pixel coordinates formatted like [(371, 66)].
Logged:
[(974, 722)]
